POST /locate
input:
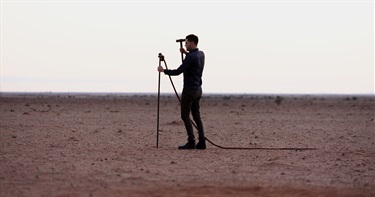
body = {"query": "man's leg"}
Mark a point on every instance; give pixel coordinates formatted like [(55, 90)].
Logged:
[(186, 102), (195, 109)]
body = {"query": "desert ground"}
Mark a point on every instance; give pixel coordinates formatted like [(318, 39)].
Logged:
[(70, 145)]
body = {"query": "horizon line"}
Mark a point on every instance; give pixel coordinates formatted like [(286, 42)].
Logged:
[(172, 93)]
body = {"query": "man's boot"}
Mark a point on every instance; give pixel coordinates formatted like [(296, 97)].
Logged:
[(189, 145), (201, 144)]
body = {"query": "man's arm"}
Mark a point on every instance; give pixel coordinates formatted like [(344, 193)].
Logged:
[(182, 50), (179, 70)]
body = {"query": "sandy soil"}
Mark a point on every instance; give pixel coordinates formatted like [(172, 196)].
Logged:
[(105, 145)]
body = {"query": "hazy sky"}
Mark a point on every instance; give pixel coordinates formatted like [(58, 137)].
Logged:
[(264, 46)]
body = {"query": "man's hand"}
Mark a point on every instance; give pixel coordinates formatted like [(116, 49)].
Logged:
[(160, 69), (182, 50)]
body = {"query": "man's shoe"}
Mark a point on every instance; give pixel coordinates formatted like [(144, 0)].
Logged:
[(201, 145), (188, 145)]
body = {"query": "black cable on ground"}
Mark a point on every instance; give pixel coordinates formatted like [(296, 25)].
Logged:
[(235, 148), (259, 148)]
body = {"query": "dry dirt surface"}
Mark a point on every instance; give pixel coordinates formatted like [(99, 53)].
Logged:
[(69, 145)]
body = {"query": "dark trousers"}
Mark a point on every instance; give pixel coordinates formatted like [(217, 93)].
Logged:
[(190, 100)]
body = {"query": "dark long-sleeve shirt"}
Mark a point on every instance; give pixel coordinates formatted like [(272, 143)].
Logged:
[(192, 67)]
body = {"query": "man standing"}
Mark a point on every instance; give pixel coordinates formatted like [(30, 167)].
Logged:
[(192, 68)]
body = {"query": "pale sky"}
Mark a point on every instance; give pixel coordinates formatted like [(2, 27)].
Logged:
[(281, 47)]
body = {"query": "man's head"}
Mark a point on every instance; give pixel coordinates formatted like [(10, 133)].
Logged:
[(191, 42)]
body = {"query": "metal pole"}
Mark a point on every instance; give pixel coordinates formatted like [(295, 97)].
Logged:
[(157, 124)]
